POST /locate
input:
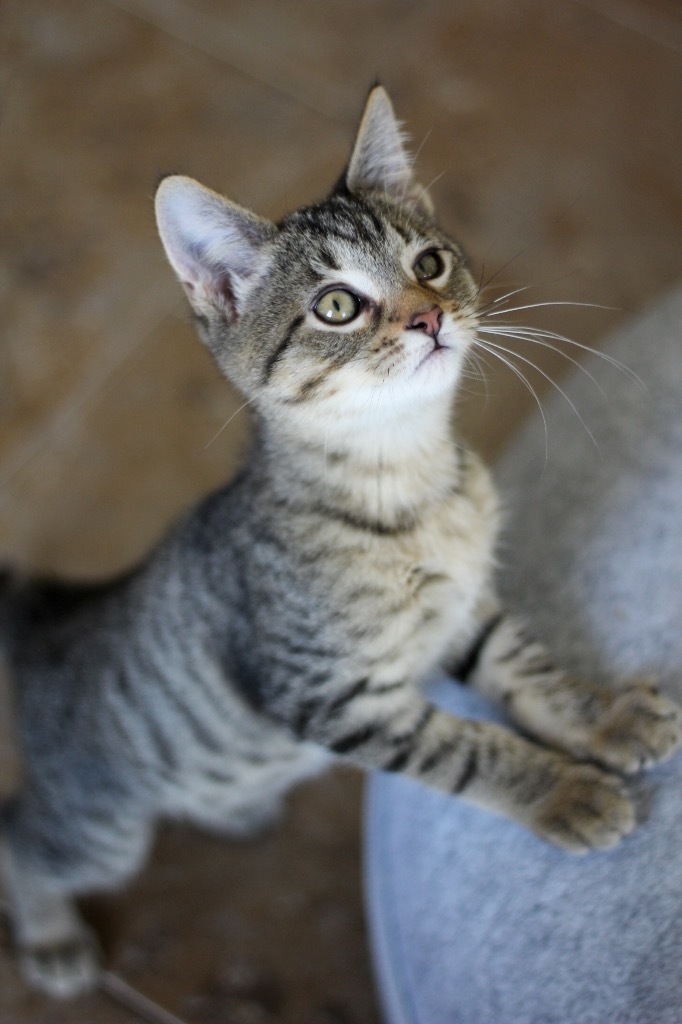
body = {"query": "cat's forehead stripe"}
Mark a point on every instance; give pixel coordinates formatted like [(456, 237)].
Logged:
[(339, 218), (327, 259), (406, 235)]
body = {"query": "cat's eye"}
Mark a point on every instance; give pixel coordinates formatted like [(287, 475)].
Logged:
[(337, 306), (429, 265)]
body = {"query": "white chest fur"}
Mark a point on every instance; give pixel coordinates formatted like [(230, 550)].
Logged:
[(416, 593)]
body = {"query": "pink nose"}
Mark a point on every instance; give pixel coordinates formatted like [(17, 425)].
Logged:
[(429, 322)]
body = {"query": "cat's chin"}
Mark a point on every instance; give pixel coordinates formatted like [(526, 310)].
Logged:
[(436, 367), (435, 373), (435, 359), (429, 384)]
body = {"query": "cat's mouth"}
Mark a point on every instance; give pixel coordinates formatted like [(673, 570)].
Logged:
[(436, 352)]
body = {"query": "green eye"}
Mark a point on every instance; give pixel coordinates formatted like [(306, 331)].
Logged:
[(337, 306), (428, 266)]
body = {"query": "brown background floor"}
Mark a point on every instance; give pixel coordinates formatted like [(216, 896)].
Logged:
[(552, 130)]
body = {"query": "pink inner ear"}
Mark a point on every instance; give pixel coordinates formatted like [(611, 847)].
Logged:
[(215, 290), (222, 288)]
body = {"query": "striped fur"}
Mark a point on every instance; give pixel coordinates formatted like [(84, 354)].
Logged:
[(292, 616)]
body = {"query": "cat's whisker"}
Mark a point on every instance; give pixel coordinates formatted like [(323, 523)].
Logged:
[(532, 244), (556, 302), (227, 423), (476, 374), (496, 348), (417, 153), (422, 192), (499, 299), (508, 263), (471, 389), (539, 332), (492, 349), (480, 281), (374, 395), (481, 285), (411, 161), (520, 336)]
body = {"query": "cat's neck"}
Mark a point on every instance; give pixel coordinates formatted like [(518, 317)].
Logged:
[(385, 470)]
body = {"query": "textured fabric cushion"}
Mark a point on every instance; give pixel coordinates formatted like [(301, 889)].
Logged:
[(474, 920)]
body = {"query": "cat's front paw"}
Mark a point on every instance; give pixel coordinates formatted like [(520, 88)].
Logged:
[(585, 809), (639, 729), (64, 970)]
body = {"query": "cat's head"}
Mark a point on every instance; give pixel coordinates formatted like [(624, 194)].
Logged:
[(357, 308)]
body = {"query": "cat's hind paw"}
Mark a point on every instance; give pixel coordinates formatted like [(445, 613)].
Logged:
[(639, 729), (63, 971), (586, 809)]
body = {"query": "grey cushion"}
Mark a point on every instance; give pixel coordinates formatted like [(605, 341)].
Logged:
[(474, 920)]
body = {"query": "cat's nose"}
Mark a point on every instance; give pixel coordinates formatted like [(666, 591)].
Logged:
[(428, 321)]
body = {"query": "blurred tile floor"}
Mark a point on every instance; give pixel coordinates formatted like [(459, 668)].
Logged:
[(550, 130)]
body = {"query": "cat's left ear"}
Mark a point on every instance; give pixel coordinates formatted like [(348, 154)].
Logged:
[(218, 250), (380, 161)]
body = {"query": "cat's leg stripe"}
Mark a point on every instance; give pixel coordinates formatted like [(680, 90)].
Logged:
[(353, 740), (433, 759), (407, 741), (306, 711), (315, 705), (382, 688), (310, 705), (398, 761), (463, 669), (353, 691), (469, 769)]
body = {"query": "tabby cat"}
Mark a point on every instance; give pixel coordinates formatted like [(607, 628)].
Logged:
[(292, 616)]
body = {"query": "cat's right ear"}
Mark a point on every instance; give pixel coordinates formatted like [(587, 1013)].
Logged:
[(218, 250), (380, 161)]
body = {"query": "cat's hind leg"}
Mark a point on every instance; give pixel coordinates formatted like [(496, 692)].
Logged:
[(623, 728), (57, 952), (47, 857)]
